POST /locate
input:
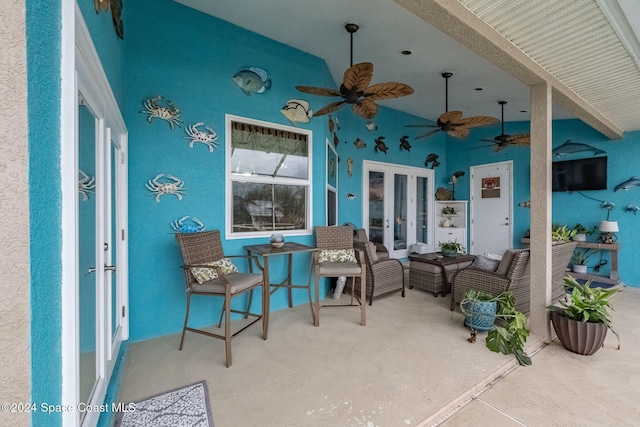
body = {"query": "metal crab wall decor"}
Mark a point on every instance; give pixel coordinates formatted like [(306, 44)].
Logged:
[(196, 135), (157, 188), (86, 185), (170, 113), (179, 225)]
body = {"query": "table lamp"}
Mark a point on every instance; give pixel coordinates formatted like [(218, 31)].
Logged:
[(607, 231)]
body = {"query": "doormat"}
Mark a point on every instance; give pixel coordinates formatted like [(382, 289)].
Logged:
[(187, 406)]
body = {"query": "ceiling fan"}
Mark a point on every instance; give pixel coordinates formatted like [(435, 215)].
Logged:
[(355, 89), (452, 122), (502, 141)]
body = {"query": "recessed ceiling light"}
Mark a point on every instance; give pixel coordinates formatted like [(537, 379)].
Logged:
[(478, 88), (406, 52)]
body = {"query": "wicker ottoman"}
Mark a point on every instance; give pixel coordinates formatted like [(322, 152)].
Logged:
[(428, 276)]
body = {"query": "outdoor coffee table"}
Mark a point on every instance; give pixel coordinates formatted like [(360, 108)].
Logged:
[(433, 272)]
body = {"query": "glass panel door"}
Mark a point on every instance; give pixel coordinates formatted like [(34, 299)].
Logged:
[(422, 206), (397, 208), (87, 254), (376, 207), (400, 200)]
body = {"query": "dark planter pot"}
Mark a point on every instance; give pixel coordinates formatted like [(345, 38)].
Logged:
[(579, 337), (481, 315)]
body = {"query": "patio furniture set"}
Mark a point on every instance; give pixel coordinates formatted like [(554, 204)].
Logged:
[(341, 252)]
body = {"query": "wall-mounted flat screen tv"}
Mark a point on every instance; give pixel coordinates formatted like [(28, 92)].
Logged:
[(579, 175)]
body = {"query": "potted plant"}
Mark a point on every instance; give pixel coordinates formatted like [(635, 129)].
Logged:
[(450, 248), (510, 335), (582, 323), (582, 232), (579, 260), (561, 234), (479, 309)]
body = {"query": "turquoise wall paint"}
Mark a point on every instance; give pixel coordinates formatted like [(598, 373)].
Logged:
[(189, 58), (43, 22), (192, 65), (568, 208), (110, 48)]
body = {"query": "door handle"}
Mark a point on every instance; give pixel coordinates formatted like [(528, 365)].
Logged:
[(90, 270), (110, 267)]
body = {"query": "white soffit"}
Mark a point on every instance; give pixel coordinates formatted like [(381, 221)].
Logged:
[(593, 51)]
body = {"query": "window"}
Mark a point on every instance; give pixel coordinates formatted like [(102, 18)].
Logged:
[(269, 178)]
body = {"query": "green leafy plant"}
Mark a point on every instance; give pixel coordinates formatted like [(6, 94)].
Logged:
[(581, 257), (448, 210), (451, 246), (472, 295), (587, 304), (561, 233), (580, 229), (510, 338)]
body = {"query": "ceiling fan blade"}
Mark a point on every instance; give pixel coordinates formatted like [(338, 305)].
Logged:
[(494, 140), (450, 117), (318, 91), (459, 132), (388, 90), (427, 133), (521, 139), (421, 126), (365, 108), (499, 147), (478, 121), (358, 77), (329, 108)]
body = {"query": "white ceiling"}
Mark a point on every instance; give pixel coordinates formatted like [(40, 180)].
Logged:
[(386, 28)]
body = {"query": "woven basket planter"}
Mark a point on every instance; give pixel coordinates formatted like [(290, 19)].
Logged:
[(579, 337), (481, 314)]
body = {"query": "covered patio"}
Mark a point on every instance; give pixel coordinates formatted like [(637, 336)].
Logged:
[(411, 365)]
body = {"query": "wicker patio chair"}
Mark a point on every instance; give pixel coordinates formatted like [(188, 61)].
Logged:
[(360, 235), (384, 276), (560, 256), (513, 273), (199, 250), (329, 261)]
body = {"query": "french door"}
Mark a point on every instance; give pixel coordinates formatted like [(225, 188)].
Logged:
[(101, 246), (397, 206)]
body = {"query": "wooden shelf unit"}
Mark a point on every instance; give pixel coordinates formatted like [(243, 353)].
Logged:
[(613, 277)]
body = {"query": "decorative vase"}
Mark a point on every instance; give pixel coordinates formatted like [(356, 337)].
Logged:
[(480, 315), (449, 252), (277, 240), (445, 223), (579, 268), (579, 337), (581, 237)]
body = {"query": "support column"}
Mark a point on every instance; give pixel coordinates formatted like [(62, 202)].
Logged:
[(540, 209), (15, 285)]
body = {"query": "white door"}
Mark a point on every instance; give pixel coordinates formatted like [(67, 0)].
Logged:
[(491, 209), (100, 233), (397, 206)]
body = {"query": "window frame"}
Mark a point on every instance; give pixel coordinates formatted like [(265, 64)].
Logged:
[(231, 178)]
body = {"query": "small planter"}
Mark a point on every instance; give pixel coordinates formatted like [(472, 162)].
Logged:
[(579, 337), (449, 252), (581, 237), (481, 315), (579, 268)]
